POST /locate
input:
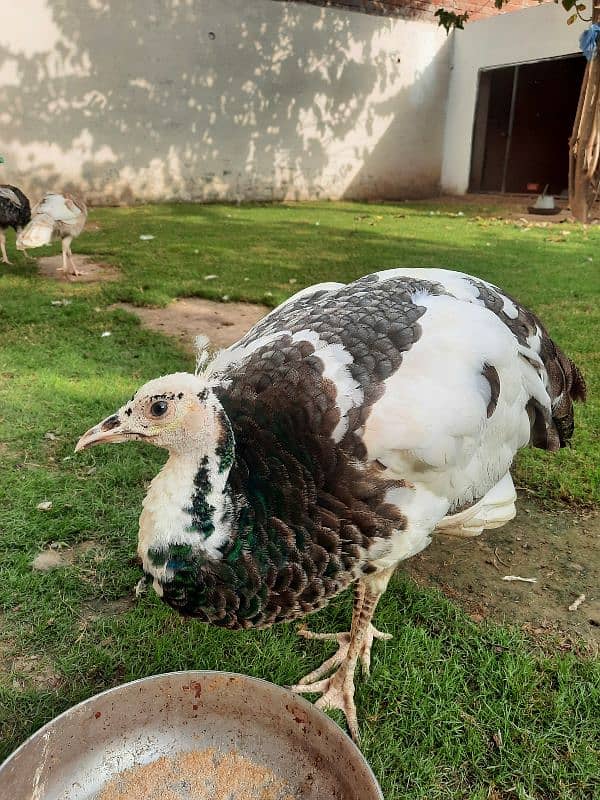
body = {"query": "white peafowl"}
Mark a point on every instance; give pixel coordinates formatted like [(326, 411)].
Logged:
[(332, 441), (15, 212), (56, 216)]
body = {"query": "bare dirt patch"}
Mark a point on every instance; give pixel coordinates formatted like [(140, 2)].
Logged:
[(58, 555), (512, 207), (7, 648), (25, 671), (33, 672), (223, 323), (96, 609), (93, 271), (560, 548)]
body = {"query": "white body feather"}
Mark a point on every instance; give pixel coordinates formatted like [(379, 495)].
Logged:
[(55, 215), (59, 207), (37, 233), (431, 428)]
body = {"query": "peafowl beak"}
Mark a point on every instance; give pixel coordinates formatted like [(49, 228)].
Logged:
[(110, 430)]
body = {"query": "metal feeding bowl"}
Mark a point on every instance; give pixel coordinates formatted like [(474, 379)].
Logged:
[(83, 752)]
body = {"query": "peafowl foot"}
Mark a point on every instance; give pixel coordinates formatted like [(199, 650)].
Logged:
[(70, 271), (336, 692), (141, 587), (341, 655)]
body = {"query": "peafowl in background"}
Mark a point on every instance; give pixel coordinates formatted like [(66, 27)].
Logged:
[(15, 212), (56, 216)]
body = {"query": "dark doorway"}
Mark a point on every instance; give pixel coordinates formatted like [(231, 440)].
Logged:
[(523, 122)]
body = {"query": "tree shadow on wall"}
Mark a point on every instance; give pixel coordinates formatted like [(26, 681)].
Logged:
[(199, 101)]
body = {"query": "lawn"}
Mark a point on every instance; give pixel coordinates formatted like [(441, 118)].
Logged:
[(453, 709)]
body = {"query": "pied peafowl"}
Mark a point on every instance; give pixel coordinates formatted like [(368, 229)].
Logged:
[(15, 212), (56, 216), (332, 441)]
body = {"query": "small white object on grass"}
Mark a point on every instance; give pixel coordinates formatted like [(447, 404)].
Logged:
[(210, 277), (576, 603), (45, 505), (518, 578), (105, 334), (146, 237)]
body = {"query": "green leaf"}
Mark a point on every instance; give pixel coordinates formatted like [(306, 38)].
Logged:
[(449, 20), (571, 19), (568, 4)]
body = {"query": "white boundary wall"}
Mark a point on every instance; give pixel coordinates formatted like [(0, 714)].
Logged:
[(219, 100)]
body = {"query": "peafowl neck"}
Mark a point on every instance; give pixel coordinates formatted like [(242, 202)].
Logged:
[(188, 509)]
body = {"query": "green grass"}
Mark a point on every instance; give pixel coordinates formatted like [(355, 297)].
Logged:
[(444, 687)]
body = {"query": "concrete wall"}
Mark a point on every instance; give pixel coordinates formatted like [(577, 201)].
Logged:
[(529, 35), (130, 100)]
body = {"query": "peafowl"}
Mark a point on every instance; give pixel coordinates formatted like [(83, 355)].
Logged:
[(15, 212), (59, 216), (330, 443)]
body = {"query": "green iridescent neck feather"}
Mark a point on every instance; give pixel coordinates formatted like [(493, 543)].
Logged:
[(225, 450), (200, 510)]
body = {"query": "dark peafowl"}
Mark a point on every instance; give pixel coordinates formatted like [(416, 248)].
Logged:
[(15, 212)]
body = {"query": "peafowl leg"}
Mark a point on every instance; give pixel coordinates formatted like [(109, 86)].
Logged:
[(68, 258), (65, 247), (337, 691), (3, 248), (343, 640), (22, 248)]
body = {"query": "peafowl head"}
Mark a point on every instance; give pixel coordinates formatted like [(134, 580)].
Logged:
[(178, 412)]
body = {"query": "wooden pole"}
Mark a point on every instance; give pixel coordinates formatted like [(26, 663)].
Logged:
[(584, 145)]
